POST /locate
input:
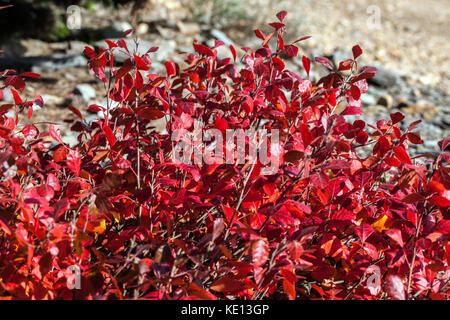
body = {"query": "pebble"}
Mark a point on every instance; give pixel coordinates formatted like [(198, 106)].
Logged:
[(386, 101), (86, 91), (368, 99), (142, 28), (189, 29), (384, 77)]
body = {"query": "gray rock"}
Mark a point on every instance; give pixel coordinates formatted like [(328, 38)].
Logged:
[(58, 62), (70, 139), (386, 101), (76, 46), (384, 78), (189, 29), (44, 63), (219, 35), (116, 29), (368, 99), (166, 52), (86, 91)]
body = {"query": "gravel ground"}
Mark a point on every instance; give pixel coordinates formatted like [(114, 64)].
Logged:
[(412, 36), (409, 40)]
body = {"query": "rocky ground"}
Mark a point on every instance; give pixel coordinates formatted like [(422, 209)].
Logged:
[(407, 41)]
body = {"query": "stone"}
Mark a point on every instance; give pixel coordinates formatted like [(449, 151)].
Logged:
[(142, 28), (368, 99), (421, 108), (116, 29), (14, 48), (70, 140), (40, 64), (189, 29), (76, 47), (50, 100), (416, 93), (219, 35), (86, 91), (166, 52), (386, 101), (384, 77)]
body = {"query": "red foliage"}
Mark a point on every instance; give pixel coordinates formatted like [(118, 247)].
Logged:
[(141, 226)]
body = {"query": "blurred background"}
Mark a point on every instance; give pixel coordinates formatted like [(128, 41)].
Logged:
[(407, 40)]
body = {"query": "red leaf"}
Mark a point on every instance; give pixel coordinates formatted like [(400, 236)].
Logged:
[(352, 110), (139, 81), (55, 133), (397, 117), (345, 65), (127, 32), (401, 154), (267, 39), (281, 15), (413, 198), (396, 235), (201, 293), (301, 39), (17, 99), (260, 252), (53, 182), (259, 34), (218, 228), (394, 287), (414, 138), (229, 285), (393, 162), (150, 114), (357, 51), (30, 75), (440, 201), (305, 133), (289, 289), (325, 61), (60, 154), (291, 50), (444, 143), (364, 231), (171, 68), (30, 131), (201, 49), (76, 111), (4, 224), (111, 44), (74, 161), (110, 136), (277, 25), (15, 81), (140, 64), (355, 92), (280, 42), (193, 170), (306, 64), (45, 191), (233, 52), (295, 249), (38, 101), (443, 227)]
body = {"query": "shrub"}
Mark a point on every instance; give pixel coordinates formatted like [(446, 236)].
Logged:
[(330, 223)]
